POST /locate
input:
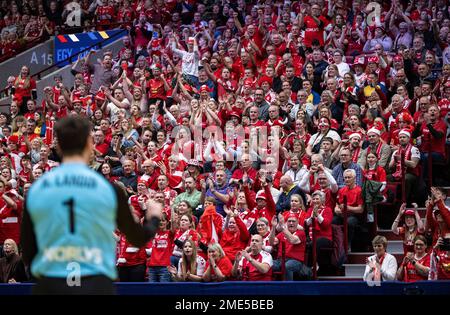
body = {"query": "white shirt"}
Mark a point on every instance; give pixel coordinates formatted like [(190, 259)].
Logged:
[(388, 268), (317, 137), (201, 263)]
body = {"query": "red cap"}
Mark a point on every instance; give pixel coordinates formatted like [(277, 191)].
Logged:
[(191, 40), (77, 100), (261, 195), (100, 96), (13, 139), (292, 215), (141, 181), (235, 113), (409, 212)]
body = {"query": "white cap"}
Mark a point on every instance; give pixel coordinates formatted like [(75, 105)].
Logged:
[(405, 132), (374, 130), (355, 134)]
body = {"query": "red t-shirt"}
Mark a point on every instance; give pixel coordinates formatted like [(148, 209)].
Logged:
[(354, 196), (156, 89), (296, 251), (225, 266), (410, 272), (10, 220), (312, 30), (162, 247), (250, 273)]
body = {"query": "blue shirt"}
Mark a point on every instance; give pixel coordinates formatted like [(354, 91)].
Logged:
[(74, 211), (338, 174)]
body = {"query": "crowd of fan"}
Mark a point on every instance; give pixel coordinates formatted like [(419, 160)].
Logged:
[(255, 125), (26, 23)]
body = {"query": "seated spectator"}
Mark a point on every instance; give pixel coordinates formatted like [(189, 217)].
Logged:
[(218, 266), (345, 158), (294, 241), (254, 264), (235, 235), (12, 268), (190, 194), (288, 189), (355, 205), (441, 253), (191, 266), (322, 215), (263, 229), (377, 146), (415, 265), (381, 266)]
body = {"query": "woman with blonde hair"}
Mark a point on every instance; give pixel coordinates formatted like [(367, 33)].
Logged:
[(218, 267), (24, 88), (12, 268)]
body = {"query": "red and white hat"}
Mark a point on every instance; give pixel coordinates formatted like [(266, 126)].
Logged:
[(359, 61), (191, 40), (204, 88), (405, 132), (409, 212), (261, 195), (373, 59), (375, 131), (355, 134)]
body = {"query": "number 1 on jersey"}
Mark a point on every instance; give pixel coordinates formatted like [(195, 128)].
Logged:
[(71, 204)]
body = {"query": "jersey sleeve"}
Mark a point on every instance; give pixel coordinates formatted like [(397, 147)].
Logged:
[(28, 238), (135, 233)]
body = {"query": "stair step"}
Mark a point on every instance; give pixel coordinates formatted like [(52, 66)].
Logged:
[(354, 270), (360, 258), (388, 234)]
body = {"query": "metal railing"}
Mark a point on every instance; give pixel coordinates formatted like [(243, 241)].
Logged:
[(345, 215)]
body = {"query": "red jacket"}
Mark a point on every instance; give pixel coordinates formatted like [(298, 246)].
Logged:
[(232, 242), (322, 229), (128, 255)]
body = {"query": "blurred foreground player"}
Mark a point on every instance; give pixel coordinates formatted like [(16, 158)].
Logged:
[(69, 219)]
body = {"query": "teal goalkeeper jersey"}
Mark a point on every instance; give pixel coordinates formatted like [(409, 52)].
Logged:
[(74, 210)]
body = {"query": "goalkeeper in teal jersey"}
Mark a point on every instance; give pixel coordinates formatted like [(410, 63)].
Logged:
[(70, 216)]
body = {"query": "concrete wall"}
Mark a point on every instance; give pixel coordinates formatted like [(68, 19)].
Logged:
[(68, 78), (37, 58)]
